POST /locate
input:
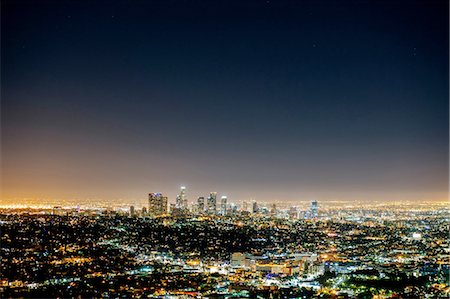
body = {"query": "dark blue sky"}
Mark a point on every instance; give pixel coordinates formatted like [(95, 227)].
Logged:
[(280, 100)]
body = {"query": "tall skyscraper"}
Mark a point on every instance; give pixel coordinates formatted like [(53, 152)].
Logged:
[(157, 204), (223, 205), (255, 207), (132, 211), (314, 209), (212, 203), (201, 204), (181, 200)]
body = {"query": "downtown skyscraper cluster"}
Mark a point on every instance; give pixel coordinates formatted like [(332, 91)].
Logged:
[(158, 204)]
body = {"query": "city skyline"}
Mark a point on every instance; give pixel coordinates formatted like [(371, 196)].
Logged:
[(189, 201), (224, 149), (372, 251), (270, 100)]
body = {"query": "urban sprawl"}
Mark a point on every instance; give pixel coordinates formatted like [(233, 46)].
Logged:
[(217, 249)]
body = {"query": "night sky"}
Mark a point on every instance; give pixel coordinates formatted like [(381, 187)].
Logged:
[(270, 100)]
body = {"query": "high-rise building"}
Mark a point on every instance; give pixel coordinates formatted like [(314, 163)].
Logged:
[(314, 209), (212, 203), (255, 207), (200, 204), (157, 204), (132, 211), (223, 205), (181, 200), (233, 208)]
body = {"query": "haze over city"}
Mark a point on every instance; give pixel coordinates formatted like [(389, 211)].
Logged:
[(265, 100), (224, 149)]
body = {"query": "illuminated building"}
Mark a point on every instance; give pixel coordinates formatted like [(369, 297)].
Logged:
[(212, 203), (255, 207), (237, 259), (314, 208), (201, 204), (181, 201), (223, 205), (157, 204)]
